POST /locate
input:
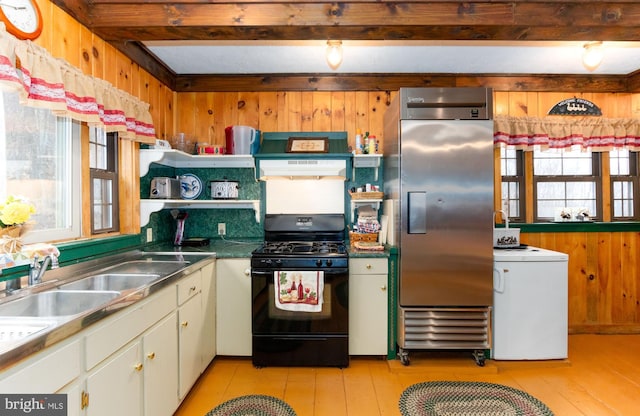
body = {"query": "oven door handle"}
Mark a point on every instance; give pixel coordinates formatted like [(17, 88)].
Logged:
[(269, 273)]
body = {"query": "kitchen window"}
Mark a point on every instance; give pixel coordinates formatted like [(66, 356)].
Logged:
[(512, 189), (625, 192), (566, 179), (572, 179), (38, 160), (103, 163)]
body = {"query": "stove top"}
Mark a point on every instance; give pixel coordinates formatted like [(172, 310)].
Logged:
[(302, 248)]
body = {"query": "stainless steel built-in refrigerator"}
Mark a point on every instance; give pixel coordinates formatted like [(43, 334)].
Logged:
[(438, 176)]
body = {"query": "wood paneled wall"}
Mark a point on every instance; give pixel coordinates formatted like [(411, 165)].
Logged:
[(604, 287)]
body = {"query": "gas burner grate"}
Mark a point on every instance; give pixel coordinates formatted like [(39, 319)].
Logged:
[(302, 248)]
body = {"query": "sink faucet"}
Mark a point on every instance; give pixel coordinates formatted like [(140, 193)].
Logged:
[(38, 269)]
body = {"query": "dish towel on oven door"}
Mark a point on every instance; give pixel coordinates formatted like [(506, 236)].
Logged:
[(299, 291)]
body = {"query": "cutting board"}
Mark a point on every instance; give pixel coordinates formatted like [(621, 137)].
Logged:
[(388, 208), (384, 223)]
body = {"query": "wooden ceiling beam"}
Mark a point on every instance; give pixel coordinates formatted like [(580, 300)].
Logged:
[(386, 82), (434, 20), (126, 23)]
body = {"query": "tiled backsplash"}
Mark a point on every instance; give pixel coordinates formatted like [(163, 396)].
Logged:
[(240, 223)]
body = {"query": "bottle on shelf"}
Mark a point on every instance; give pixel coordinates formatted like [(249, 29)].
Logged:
[(365, 145), (358, 149), (372, 144)]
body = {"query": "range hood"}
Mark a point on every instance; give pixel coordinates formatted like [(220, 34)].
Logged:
[(278, 159), (303, 168)]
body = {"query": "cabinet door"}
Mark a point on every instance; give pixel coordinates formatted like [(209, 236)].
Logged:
[(74, 398), (115, 387), (368, 313), (189, 338), (233, 307), (209, 314), (160, 357)]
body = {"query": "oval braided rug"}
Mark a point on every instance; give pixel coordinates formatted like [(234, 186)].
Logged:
[(464, 398), (253, 405)]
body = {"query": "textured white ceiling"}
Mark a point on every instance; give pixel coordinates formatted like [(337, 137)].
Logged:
[(264, 57)]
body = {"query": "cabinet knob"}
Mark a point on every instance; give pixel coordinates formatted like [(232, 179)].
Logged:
[(383, 288), (151, 355), (192, 289), (185, 323), (247, 272), (368, 266), (138, 367)]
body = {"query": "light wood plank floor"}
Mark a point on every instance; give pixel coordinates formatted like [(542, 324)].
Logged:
[(601, 377)]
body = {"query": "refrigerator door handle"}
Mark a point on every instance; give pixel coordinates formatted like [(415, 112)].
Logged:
[(498, 280), (417, 212)]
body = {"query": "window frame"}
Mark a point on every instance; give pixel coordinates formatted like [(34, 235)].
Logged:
[(633, 177), (519, 180), (68, 141), (110, 173), (596, 177)]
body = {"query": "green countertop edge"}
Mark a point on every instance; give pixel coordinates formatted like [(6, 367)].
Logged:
[(81, 250), (575, 227)]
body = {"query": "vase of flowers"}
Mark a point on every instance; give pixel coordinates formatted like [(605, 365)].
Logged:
[(15, 213)]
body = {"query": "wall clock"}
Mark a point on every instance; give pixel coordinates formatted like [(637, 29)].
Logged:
[(22, 18)]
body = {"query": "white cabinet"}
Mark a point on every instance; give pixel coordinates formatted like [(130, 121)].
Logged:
[(115, 386), (189, 331), (159, 352), (126, 353), (233, 307), (140, 361), (368, 306), (208, 314)]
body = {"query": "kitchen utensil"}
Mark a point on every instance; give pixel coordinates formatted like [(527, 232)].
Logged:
[(182, 216), (224, 189), (165, 188), (191, 186)]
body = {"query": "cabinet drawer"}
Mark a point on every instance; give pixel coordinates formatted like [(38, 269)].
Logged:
[(121, 328), (189, 287), (368, 266), (47, 372)]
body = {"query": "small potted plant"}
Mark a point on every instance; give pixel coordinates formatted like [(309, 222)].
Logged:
[(15, 213)]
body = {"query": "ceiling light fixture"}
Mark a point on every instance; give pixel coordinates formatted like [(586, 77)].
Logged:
[(592, 55), (334, 53)]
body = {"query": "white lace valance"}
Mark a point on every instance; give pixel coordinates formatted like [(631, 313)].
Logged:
[(47, 82), (560, 132)]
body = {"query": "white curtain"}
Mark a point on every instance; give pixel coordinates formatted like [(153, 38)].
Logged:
[(597, 134), (47, 82)]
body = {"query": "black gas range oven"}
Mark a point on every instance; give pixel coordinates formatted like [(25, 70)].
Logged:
[(300, 287)]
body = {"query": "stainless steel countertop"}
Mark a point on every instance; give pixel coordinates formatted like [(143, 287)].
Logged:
[(64, 327)]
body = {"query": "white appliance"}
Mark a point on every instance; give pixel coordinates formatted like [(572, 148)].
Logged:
[(530, 297)]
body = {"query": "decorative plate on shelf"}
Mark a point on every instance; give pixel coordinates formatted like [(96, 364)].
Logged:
[(190, 186)]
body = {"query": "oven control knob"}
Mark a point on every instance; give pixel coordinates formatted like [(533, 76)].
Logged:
[(278, 262), (329, 263), (318, 262)]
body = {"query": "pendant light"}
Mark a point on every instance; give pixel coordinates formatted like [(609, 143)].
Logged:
[(334, 53), (592, 55)]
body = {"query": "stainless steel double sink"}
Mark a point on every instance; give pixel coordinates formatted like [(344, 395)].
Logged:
[(35, 312)]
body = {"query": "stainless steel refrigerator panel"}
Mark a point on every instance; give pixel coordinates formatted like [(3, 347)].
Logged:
[(446, 104), (446, 178)]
